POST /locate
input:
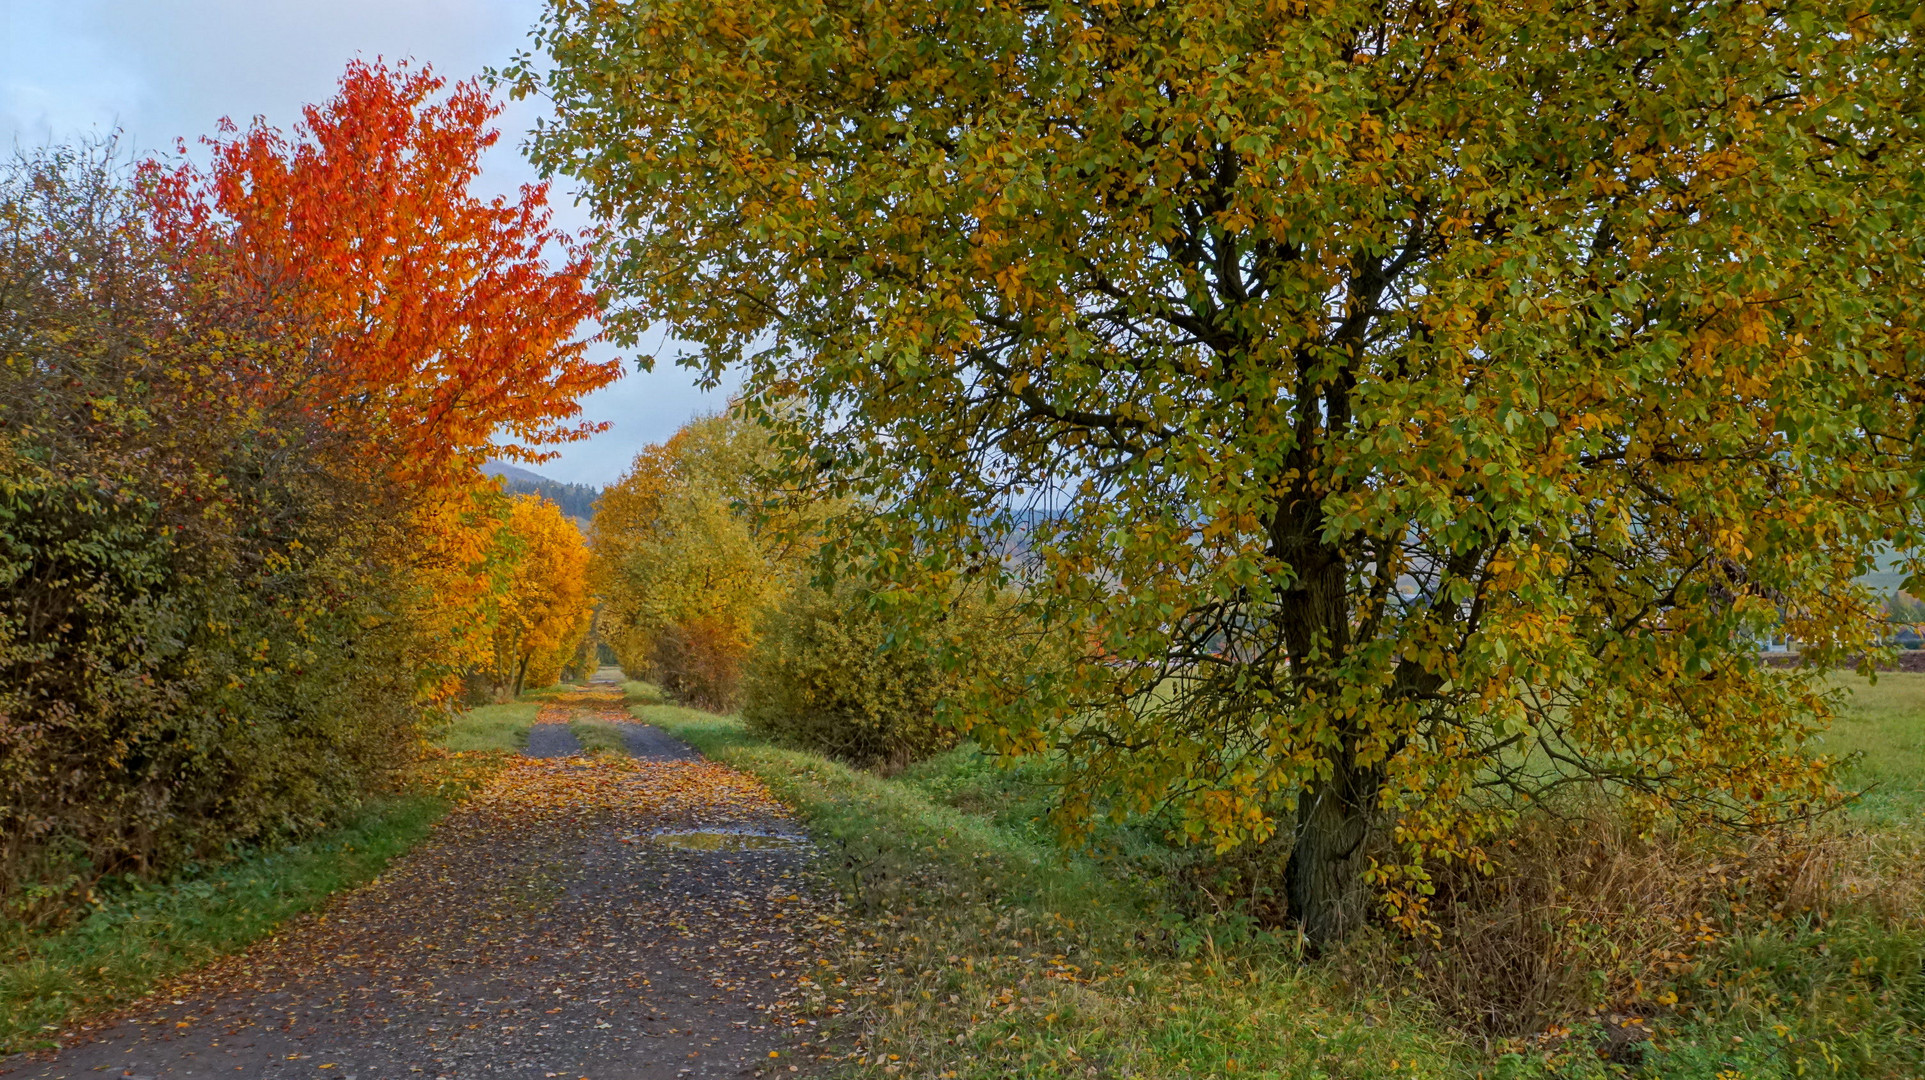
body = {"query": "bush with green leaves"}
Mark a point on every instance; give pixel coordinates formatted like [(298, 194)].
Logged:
[(834, 672), (197, 651)]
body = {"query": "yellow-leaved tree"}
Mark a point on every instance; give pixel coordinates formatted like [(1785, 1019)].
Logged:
[(688, 556), (1420, 409), (544, 608)]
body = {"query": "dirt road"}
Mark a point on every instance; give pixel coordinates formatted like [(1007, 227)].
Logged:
[(615, 919)]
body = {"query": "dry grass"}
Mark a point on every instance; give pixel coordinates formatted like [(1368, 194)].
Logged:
[(1585, 914), (1592, 915)]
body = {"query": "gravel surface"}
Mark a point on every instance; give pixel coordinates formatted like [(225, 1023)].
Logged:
[(551, 740), (561, 924), (650, 743)]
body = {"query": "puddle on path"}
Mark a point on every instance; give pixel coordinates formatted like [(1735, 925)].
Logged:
[(726, 840)]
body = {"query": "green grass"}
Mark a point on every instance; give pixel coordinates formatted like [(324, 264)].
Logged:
[(492, 727), (960, 905), (1882, 725), (599, 737), (138, 939), (643, 693)]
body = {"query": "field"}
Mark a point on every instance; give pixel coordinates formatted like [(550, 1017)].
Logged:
[(1882, 733)]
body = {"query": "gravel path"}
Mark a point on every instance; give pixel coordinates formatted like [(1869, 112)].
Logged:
[(644, 742), (582, 917), (650, 743), (551, 740)]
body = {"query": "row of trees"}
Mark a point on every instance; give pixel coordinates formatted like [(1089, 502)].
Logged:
[(687, 557), (543, 611), (1387, 416), (245, 549)]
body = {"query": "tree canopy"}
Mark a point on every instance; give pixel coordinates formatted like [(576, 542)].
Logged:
[(434, 315), (543, 610), (1417, 406), (407, 312), (686, 562)]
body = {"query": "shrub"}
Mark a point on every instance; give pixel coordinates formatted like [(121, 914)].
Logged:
[(697, 663), (194, 653), (835, 674), (1588, 912)]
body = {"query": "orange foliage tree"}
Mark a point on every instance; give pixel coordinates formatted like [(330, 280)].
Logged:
[(428, 321), (431, 311)]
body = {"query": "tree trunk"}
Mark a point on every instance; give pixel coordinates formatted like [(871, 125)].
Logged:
[(1323, 880), (521, 672)]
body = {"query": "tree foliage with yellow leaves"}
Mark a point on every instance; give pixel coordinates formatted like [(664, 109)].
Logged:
[(543, 608), (1419, 406), (690, 551)]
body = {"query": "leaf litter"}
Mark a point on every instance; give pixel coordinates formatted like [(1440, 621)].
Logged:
[(561, 923)]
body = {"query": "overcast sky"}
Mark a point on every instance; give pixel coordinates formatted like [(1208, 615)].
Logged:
[(166, 69)]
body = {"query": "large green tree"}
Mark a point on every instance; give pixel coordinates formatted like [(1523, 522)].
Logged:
[(1416, 404)]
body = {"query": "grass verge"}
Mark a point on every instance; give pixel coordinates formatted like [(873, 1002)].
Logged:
[(978, 948), (137, 940), (492, 727), (599, 737)]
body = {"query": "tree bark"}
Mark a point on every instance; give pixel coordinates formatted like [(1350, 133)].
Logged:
[(1323, 880)]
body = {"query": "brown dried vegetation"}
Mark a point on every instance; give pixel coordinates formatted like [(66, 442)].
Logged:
[(1588, 915)]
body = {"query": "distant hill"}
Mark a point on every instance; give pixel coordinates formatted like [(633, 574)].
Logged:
[(575, 500), (1888, 578), (514, 472)]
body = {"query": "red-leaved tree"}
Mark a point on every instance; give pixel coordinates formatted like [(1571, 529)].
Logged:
[(433, 328), (445, 324)]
